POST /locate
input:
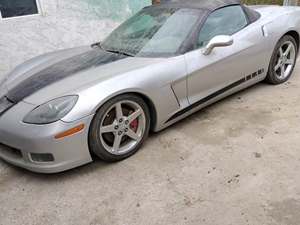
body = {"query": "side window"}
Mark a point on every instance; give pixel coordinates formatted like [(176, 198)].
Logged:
[(14, 8), (224, 21)]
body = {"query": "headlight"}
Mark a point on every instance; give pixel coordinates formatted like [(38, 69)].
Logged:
[(51, 111)]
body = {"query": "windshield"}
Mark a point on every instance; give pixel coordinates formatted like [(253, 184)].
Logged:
[(152, 32)]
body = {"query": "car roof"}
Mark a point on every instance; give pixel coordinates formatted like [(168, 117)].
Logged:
[(210, 5)]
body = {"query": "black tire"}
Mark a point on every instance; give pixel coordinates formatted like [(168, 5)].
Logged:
[(272, 78), (95, 143)]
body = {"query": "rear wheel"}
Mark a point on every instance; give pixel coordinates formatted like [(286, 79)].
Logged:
[(283, 61), (119, 128)]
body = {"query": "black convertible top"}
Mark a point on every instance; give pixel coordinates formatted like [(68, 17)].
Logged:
[(210, 5)]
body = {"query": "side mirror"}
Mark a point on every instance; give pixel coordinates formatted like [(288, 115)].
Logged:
[(217, 41)]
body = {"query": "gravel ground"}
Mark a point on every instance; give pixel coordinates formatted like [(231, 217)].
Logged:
[(236, 162)]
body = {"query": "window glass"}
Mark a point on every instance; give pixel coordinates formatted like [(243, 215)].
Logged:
[(170, 37), (13, 8), (153, 32), (225, 21)]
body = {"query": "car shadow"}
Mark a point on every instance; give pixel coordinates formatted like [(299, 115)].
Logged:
[(200, 113)]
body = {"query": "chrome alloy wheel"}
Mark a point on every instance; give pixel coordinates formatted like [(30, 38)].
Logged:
[(285, 60), (122, 127)]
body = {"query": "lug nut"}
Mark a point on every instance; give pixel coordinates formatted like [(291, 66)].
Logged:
[(126, 130), (116, 127), (120, 133), (120, 120), (126, 122)]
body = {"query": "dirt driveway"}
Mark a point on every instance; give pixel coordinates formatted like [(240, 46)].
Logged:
[(236, 162)]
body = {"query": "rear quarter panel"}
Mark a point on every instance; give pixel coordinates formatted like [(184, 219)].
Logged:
[(279, 20)]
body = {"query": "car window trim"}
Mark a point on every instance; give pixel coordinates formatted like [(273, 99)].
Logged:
[(204, 19), (187, 44)]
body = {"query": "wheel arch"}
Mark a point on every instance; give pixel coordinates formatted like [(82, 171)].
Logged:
[(147, 100), (151, 107), (295, 35)]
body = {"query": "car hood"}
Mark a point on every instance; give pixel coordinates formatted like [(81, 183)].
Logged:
[(35, 65), (55, 74)]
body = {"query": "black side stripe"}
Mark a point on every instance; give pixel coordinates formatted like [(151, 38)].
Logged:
[(206, 99)]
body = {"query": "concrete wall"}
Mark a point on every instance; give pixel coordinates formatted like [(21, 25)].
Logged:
[(291, 2), (62, 24)]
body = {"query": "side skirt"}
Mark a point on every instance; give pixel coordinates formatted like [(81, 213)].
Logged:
[(214, 95)]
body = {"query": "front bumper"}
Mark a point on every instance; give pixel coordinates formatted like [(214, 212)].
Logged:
[(20, 141)]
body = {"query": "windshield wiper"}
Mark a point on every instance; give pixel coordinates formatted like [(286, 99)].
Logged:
[(98, 44), (119, 52)]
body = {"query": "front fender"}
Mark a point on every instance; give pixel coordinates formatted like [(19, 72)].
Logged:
[(154, 82), (163, 99)]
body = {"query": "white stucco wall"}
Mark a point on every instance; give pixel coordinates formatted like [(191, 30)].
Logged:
[(62, 24)]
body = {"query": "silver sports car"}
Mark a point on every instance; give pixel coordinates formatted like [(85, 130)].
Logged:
[(163, 64)]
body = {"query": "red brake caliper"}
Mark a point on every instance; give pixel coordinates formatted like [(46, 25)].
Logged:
[(134, 125)]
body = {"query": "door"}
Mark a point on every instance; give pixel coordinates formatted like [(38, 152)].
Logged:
[(225, 67)]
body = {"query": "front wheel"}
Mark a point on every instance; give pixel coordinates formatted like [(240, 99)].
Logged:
[(119, 128), (283, 61)]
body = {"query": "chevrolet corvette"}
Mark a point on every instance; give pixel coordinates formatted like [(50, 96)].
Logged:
[(61, 109)]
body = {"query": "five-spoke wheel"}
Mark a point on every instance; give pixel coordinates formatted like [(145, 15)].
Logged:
[(122, 127), (119, 128), (283, 60)]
